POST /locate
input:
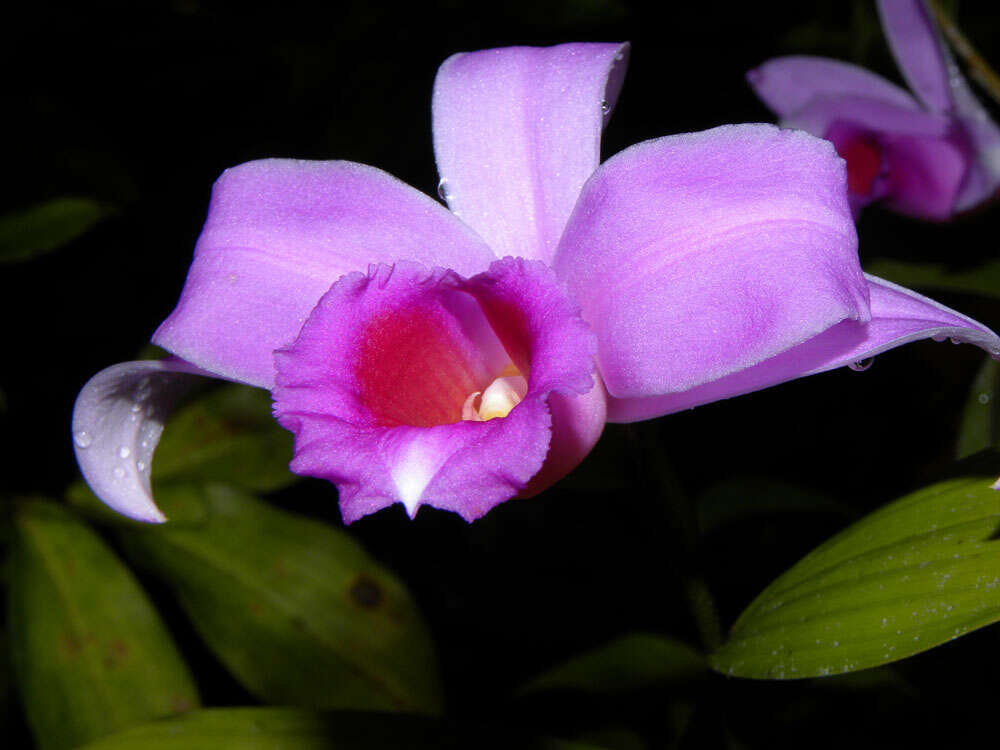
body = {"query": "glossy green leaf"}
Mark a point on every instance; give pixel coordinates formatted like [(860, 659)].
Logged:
[(299, 729), (633, 662), (46, 226), (90, 653), (980, 427), (984, 280), (294, 608), (921, 571)]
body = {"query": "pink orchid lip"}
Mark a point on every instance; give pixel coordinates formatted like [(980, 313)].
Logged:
[(387, 361)]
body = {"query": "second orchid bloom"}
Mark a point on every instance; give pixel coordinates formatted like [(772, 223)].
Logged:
[(461, 358)]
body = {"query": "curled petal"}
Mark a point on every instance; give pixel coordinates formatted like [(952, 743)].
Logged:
[(279, 232), (117, 421), (517, 132), (899, 316), (375, 384), (787, 84), (700, 255)]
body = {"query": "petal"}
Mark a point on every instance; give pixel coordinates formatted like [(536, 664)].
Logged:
[(899, 316), (873, 114), (374, 385), (117, 421), (787, 84), (517, 131), (924, 174), (913, 38), (703, 254), (278, 233)]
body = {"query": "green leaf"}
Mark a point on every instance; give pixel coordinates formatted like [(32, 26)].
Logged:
[(299, 729), (984, 280), (227, 435), (46, 226), (981, 415), (632, 662), (90, 653), (294, 608), (920, 571)]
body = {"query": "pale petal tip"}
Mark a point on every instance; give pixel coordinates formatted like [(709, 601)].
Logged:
[(995, 485)]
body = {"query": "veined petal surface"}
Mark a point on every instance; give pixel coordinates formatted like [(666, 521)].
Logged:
[(117, 421), (517, 131), (899, 316), (279, 232), (373, 387), (700, 255), (787, 84)]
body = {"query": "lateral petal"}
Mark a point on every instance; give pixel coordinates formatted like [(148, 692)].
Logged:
[(117, 421), (787, 84), (899, 316), (699, 255), (516, 134), (279, 232)]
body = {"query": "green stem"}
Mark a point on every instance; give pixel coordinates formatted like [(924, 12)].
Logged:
[(979, 69)]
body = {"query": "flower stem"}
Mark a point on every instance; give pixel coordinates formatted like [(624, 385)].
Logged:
[(979, 69)]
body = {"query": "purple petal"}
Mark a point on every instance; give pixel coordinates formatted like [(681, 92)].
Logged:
[(279, 232), (699, 255), (873, 114), (787, 84), (373, 387), (517, 132), (899, 316), (117, 422), (913, 38)]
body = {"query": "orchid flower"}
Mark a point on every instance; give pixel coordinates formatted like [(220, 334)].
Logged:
[(460, 358), (929, 156)]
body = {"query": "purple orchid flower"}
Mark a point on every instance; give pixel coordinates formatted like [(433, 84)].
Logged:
[(482, 352), (929, 158)]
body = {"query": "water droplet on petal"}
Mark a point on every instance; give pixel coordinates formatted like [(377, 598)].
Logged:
[(140, 466), (124, 452), (605, 106), (444, 190), (136, 408), (119, 472), (83, 439), (862, 364)]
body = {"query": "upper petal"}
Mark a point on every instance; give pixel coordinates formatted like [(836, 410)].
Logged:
[(919, 52), (117, 421), (517, 132), (899, 316), (786, 84), (373, 387), (279, 232), (699, 255)]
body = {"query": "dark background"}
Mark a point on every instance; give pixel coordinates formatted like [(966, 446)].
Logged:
[(143, 105)]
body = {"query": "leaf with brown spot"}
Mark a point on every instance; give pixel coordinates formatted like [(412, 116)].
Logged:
[(90, 653), (294, 608)]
